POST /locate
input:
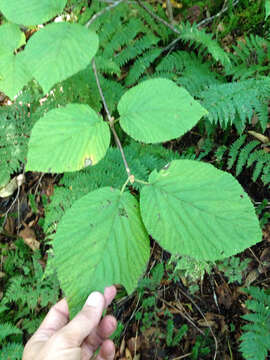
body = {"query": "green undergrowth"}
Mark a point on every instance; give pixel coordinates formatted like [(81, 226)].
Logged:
[(135, 48), (27, 296)]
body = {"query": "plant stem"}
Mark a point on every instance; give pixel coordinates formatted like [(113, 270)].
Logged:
[(125, 184), (170, 10), (211, 18), (111, 120), (101, 12), (118, 143), (156, 17), (141, 182)]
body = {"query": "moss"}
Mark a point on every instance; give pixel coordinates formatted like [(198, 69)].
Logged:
[(247, 17)]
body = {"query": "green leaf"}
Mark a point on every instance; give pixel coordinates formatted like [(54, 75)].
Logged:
[(58, 51), (11, 38), (100, 241), (158, 110), (267, 8), (194, 209), (13, 74), (67, 139), (7, 329), (31, 12)]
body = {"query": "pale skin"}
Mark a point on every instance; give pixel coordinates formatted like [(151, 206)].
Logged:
[(57, 338)]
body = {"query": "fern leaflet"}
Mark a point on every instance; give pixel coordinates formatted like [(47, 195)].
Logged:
[(7, 329), (255, 341), (250, 58), (226, 103), (199, 38)]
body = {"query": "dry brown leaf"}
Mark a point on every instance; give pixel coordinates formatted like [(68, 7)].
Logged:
[(252, 276), (265, 260), (204, 323), (134, 344), (29, 238), (128, 354), (224, 296), (10, 225), (12, 186), (262, 138), (122, 347)]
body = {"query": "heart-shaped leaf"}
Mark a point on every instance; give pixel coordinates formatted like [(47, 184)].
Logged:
[(67, 139), (31, 12), (192, 208), (59, 51), (158, 110), (100, 241)]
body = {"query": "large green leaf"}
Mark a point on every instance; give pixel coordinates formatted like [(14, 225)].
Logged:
[(194, 209), (267, 8), (31, 12), (13, 74), (58, 51), (11, 38), (158, 110), (100, 241), (67, 139)]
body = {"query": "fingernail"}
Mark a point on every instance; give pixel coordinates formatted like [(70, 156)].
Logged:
[(94, 299)]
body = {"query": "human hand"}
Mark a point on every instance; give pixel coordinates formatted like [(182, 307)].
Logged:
[(58, 339)]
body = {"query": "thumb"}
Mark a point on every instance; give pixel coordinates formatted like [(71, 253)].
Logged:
[(84, 322)]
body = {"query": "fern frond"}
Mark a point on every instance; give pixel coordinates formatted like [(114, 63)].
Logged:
[(244, 155), (141, 65), (31, 325), (162, 31), (15, 128), (262, 159), (190, 71), (14, 290), (29, 291), (234, 151), (112, 91), (12, 351), (255, 341), (107, 66), (197, 77), (7, 329), (250, 58), (247, 156), (110, 22), (175, 62), (128, 32), (219, 153), (204, 41), (226, 102), (136, 48)]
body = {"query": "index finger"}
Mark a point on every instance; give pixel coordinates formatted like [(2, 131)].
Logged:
[(57, 317)]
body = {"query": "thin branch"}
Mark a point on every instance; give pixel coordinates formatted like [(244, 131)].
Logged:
[(156, 17), (202, 314), (12, 204), (175, 30), (211, 18), (182, 356), (101, 12), (20, 180), (111, 120), (101, 92), (170, 10), (187, 317)]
